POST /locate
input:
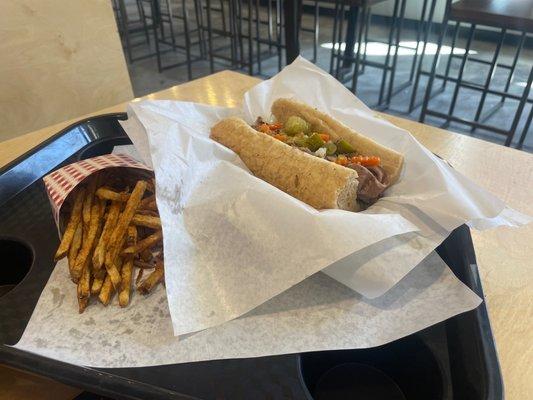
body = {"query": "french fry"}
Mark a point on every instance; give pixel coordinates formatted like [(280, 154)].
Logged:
[(88, 241), (151, 186), (106, 291), (111, 220), (106, 193), (88, 204), (97, 284), (146, 220), (153, 279), (151, 205), (152, 213), (147, 200), (74, 247), (143, 264), (127, 270), (75, 218), (144, 244), (84, 284), (114, 245), (146, 255)]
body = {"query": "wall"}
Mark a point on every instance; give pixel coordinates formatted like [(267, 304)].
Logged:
[(59, 59)]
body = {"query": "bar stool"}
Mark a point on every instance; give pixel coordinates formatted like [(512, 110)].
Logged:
[(128, 26), (359, 17), (510, 15), (165, 42)]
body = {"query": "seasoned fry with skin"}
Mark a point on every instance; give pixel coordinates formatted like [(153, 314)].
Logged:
[(146, 255), (146, 220), (151, 185), (143, 264), (106, 193), (97, 284), (75, 219), (151, 206), (144, 244), (88, 241), (74, 247), (84, 284), (153, 279), (88, 204), (106, 291), (111, 220), (127, 270), (152, 213), (124, 220), (147, 200)]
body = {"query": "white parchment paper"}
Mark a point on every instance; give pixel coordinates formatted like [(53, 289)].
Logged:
[(316, 314), (233, 242)]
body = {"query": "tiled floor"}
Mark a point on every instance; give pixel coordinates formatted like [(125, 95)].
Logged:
[(145, 77)]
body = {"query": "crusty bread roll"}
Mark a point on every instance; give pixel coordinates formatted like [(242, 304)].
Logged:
[(391, 160), (315, 181)]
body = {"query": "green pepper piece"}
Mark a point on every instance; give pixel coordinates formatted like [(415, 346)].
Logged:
[(315, 142), (343, 147), (295, 125), (301, 140), (331, 148)]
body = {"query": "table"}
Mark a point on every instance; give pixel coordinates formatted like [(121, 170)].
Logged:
[(504, 255)]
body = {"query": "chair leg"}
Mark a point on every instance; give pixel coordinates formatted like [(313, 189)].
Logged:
[(257, 35), (334, 36), (526, 129), (198, 13), (461, 71), (125, 28), (427, 95), (171, 25), (488, 80), (340, 53), (279, 32), (315, 31), (513, 65), (350, 40), (395, 58), (270, 30), (187, 38), (367, 28), (387, 56), (518, 115), (364, 10), (250, 41), (142, 16), (427, 29), (455, 35), (419, 31), (155, 22), (210, 37)]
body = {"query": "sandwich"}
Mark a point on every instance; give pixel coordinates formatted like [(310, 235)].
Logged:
[(312, 156)]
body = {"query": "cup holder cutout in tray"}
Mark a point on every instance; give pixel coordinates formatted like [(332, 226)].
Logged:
[(403, 370), (16, 260), (101, 147)]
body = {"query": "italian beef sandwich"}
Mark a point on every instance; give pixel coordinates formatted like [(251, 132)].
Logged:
[(312, 156)]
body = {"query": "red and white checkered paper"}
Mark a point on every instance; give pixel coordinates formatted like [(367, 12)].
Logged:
[(60, 183)]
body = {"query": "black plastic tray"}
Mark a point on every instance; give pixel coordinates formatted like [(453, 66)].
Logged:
[(455, 359)]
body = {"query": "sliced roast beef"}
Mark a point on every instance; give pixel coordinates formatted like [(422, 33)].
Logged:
[(372, 182)]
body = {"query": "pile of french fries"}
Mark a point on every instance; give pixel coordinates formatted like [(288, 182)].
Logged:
[(108, 234)]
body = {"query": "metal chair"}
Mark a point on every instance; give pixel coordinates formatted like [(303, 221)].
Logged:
[(513, 15), (163, 19), (358, 15), (128, 26)]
